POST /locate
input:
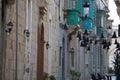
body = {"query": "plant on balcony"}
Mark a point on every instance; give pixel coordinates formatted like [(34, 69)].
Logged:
[(75, 74), (46, 76), (117, 66), (110, 70), (51, 77)]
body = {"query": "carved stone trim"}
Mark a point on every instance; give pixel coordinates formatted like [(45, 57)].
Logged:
[(10, 2), (42, 11), (117, 2), (118, 11)]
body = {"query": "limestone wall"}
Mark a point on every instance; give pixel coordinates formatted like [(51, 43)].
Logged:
[(10, 58)]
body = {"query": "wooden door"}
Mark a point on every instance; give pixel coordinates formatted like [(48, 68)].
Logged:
[(40, 55)]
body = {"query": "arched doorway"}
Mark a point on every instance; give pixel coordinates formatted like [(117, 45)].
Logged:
[(40, 54)]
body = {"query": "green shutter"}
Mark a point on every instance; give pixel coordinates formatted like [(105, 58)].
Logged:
[(73, 18), (99, 31)]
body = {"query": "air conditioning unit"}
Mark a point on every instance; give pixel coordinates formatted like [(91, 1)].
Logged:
[(10, 1)]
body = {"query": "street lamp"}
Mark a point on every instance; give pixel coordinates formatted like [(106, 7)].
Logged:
[(78, 35), (72, 50), (47, 44), (65, 27), (86, 9), (114, 36), (104, 42), (27, 32), (9, 27), (102, 36), (84, 39), (85, 32), (72, 56)]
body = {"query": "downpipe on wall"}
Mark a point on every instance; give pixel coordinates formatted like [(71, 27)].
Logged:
[(16, 62), (3, 19)]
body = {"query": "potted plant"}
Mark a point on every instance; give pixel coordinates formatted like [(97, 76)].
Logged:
[(117, 66), (51, 77), (75, 74), (72, 73), (46, 76)]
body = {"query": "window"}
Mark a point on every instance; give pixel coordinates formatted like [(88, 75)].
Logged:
[(68, 4), (72, 59), (60, 50)]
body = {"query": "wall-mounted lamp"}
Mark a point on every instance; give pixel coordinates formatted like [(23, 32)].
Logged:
[(27, 32), (114, 35), (117, 45), (86, 9), (47, 44), (85, 32), (71, 50), (70, 38), (115, 41), (88, 48), (78, 36), (85, 40), (106, 45), (109, 27), (65, 27), (9, 27), (102, 36)]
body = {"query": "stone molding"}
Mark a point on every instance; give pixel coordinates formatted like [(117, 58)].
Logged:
[(10, 2)]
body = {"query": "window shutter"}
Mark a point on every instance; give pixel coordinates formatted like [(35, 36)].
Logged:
[(68, 4)]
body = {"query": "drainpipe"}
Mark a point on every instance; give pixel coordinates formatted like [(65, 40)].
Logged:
[(3, 19), (16, 64)]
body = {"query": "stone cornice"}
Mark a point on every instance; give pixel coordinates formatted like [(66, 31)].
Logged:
[(43, 4), (117, 2), (118, 11)]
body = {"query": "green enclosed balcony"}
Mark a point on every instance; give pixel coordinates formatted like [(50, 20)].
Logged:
[(73, 12), (73, 18)]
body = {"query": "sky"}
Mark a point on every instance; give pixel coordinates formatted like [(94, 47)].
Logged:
[(113, 13)]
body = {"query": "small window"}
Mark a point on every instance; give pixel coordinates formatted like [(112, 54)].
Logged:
[(72, 59), (60, 50), (68, 4)]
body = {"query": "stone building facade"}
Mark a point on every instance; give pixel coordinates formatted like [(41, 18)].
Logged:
[(39, 42), (35, 48), (25, 62)]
